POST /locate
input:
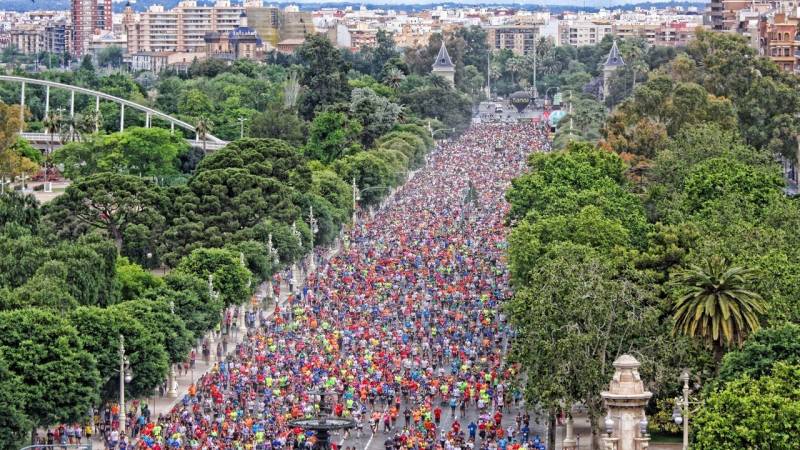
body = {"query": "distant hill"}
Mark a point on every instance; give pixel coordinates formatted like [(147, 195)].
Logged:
[(402, 5)]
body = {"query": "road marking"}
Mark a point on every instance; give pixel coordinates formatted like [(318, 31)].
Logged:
[(385, 408)]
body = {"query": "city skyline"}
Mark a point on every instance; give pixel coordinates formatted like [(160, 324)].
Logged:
[(27, 5)]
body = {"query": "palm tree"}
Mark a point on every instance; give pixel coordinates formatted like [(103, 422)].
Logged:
[(69, 129), (394, 77), (716, 305), (203, 129), (90, 121), (52, 125)]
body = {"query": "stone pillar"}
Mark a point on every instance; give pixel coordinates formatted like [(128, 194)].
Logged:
[(569, 436), (625, 400)]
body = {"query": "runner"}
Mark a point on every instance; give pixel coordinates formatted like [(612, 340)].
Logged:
[(404, 320)]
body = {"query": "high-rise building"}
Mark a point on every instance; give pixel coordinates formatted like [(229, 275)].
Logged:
[(89, 17), (519, 38), (181, 29)]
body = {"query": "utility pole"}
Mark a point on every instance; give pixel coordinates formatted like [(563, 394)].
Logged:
[(535, 94), (488, 73), (241, 127), (570, 113)]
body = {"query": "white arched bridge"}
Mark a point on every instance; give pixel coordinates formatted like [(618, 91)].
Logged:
[(41, 139)]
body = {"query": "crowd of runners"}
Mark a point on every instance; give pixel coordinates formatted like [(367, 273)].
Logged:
[(402, 330)]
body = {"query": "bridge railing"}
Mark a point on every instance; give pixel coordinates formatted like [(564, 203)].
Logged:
[(150, 112)]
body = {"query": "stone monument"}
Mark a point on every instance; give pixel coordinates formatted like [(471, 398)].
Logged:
[(626, 423)]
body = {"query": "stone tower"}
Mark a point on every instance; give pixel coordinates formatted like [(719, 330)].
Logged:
[(626, 399), (443, 66), (613, 62)]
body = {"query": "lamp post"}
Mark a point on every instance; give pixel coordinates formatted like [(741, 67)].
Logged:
[(242, 326), (214, 295), (356, 198), (172, 389), (299, 237), (272, 254), (125, 376), (312, 223), (680, 415), (241, 121)]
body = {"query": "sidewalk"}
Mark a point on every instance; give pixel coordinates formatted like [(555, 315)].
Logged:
[(163, 404)]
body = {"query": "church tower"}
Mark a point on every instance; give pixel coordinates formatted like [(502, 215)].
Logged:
[(443, 66), (613, 62)]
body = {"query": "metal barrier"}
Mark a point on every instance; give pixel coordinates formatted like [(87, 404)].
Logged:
[(61, 446)]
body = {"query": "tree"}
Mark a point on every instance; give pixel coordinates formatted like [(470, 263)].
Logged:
[(90, 262), (164, 326), (573, 317), (12, 163), (60, 379), (230, 277), (715, 305), (9, 125), (21, 209), (324, 75), (108, 202), (432, 97), (278, 123), (192, 299), (761, 351), (21, 255), (476, 49), (52, 125), (264, 158), (373, 175), (110, 56), (100, 329), (133, 281), (376, 114), (135, 151), (333, 135), (14, 423), (203, 128), (46, 289), (752, 413), (393, 77)]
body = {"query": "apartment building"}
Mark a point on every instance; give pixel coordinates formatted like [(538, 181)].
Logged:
[(779, 39), (675, 34), (58, 37), (181, 29), (520, 37), (32, 38), (583, 31), (89, 17), (28, 39)]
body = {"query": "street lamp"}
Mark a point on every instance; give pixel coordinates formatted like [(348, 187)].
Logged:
[(214, 295), (240, 317), (312, 223), (356, 198), (680, 414), (241, 121), (125, 376), (609, 425), (172, 391), (299, 237), (272, 255)]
